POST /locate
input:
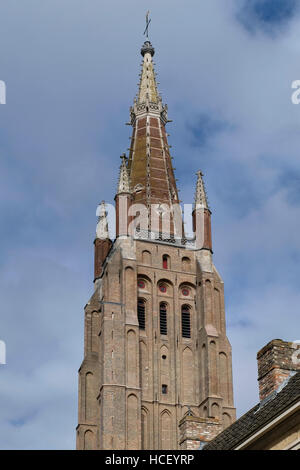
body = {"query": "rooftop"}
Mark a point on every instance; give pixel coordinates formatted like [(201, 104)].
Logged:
[(258, 417)]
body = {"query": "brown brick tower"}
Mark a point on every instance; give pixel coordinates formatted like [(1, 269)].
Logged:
[(156, 372)]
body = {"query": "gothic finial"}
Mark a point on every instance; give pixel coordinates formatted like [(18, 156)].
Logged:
[(147, 47), (102, 225), (124, 183), (200, 195)]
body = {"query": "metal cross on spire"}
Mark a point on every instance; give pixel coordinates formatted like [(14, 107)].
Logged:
[(148, 21)]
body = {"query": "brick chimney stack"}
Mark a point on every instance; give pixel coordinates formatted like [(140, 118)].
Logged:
[(275, 362)]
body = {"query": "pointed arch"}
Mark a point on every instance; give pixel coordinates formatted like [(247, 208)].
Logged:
[(132, 419), (145, 425), (213, 368), (224, 379), (217, 309), (166, 430), (164, 351), (215, 410), (131, 370), (188, 375), (203, 385), (209, 302), (90, 397), (89, 440), (130, 287)]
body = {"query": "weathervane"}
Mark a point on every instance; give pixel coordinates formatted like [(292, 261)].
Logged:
[(147, 24)]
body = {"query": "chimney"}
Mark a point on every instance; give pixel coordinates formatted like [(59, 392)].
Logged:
[(275, 362)]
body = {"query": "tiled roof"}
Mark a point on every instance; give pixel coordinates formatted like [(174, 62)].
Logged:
[(257, 417)]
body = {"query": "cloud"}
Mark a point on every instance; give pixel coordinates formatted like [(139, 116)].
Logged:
[(205, 127), (42, 303), (269, 16)]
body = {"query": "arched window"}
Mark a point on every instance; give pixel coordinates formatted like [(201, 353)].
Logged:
[(163, 319), (165, 260), (185, 321), (141, 312)]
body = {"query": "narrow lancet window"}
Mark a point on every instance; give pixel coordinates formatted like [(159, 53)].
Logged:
[(185, 321), (165, 262), (141, 311), (163, 319)]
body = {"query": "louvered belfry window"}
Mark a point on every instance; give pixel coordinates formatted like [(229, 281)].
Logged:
[(141, 311), (163, 319), (185, 321)]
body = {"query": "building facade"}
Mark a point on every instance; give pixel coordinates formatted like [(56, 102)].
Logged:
[(156, 354)]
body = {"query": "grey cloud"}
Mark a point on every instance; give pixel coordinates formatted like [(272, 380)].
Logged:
[(270, 16)]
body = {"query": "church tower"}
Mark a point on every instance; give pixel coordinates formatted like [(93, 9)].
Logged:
[(157, 361)]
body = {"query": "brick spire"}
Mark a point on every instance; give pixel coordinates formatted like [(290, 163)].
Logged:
[(151, 172)]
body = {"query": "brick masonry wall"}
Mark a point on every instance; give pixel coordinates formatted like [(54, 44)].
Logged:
[(194, 431), (101, 250)]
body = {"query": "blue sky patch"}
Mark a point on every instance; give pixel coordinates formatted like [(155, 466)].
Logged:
[(266, 15), (290, 180)]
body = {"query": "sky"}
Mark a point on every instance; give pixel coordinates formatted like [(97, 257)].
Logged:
[(71, 69)]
